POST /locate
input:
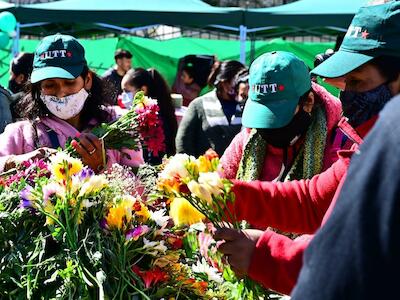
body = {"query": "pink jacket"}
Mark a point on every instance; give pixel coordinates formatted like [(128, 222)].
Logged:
[(274, 156), (18, 138)]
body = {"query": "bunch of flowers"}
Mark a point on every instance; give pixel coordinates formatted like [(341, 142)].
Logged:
[(68, 233), (195, 190), (141, 126), (196, 193)]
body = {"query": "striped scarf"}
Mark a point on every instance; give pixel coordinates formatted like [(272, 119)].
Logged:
[(307, 163), (215, 114)]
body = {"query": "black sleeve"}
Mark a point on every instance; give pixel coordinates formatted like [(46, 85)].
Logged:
[(356, 255), (187, 137)]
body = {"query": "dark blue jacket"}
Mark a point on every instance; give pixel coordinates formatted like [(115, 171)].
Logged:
[(356, 255)]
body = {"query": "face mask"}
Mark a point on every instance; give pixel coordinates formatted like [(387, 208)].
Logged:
[(360, 107), (127, 99), (288, 135), (15, 87), (66, 107)]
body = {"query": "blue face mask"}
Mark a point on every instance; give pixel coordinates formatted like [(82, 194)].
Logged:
[(360, 107)]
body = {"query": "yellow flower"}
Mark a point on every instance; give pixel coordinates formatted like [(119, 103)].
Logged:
[(120, 212), (167, 260), (141, 210), (204, 164), (49, 208), (183, 213), (115, 217), (63, 165)]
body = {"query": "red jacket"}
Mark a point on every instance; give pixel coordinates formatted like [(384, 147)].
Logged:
[(295, 206)]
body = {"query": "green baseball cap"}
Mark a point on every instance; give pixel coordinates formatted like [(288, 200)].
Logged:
[(277, 80), (374, 31), (58, 56)]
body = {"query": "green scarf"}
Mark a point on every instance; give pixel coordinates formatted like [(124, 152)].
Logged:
[(307, 163)]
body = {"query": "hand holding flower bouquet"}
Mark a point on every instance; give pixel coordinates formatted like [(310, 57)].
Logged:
[(139, 127)]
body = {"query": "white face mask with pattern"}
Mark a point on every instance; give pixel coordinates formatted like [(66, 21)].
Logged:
[(66, 107)]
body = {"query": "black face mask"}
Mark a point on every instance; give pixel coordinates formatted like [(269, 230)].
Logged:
[(15, 87), (360, 107), (285, 136)]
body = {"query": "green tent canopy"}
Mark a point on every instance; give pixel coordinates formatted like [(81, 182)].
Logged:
[(305, 14), (132, 12)]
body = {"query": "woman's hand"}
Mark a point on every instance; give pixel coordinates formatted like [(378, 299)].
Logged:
[(238, 247), (90, 149), (40, 153)]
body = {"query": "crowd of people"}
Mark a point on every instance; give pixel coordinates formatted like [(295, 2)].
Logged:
[(314, 175)]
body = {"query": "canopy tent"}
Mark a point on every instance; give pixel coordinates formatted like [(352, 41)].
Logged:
[(304, 15), (130, 12), (5, 5)]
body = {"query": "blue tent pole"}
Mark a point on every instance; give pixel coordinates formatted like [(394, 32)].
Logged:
[(243, 37), (15, 46)]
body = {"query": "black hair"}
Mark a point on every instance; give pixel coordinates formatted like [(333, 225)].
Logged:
[(22, 64), (189, 69), (31, 106), (121, 53), (157, 88), (241, 77), (303, 99), (224, 71), (388, 66)]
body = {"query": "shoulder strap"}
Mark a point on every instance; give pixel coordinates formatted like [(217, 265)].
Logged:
[(55, 143)]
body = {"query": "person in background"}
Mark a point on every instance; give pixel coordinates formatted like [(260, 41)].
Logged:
[(186, 84), (153, 85), (114, 75), (20, 71), (242, 86), (64, 100), (5, 113), (213, 119), (290, 124)]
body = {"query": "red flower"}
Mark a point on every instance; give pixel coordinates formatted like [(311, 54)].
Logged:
[(151, 277)]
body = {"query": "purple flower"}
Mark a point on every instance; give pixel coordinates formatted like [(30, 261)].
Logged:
[(26, 197), (103, 224), (137, 232), (86, 173)]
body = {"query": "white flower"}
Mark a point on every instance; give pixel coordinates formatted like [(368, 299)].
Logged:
[(200, 191), (211, 272), (155, 247), (86, 203), (176, 167), (201, 227), (159, 217), (93, 185), (212, 181)]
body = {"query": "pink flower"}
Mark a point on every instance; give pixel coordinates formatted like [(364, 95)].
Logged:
[(137, 232)]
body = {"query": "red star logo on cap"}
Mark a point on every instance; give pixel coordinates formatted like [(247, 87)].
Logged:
[(69, 54), (281, 87), (365, 34)]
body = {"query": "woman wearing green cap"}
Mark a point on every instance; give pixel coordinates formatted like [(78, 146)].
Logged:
[(291, 124), (369, 61), (65, 99)]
